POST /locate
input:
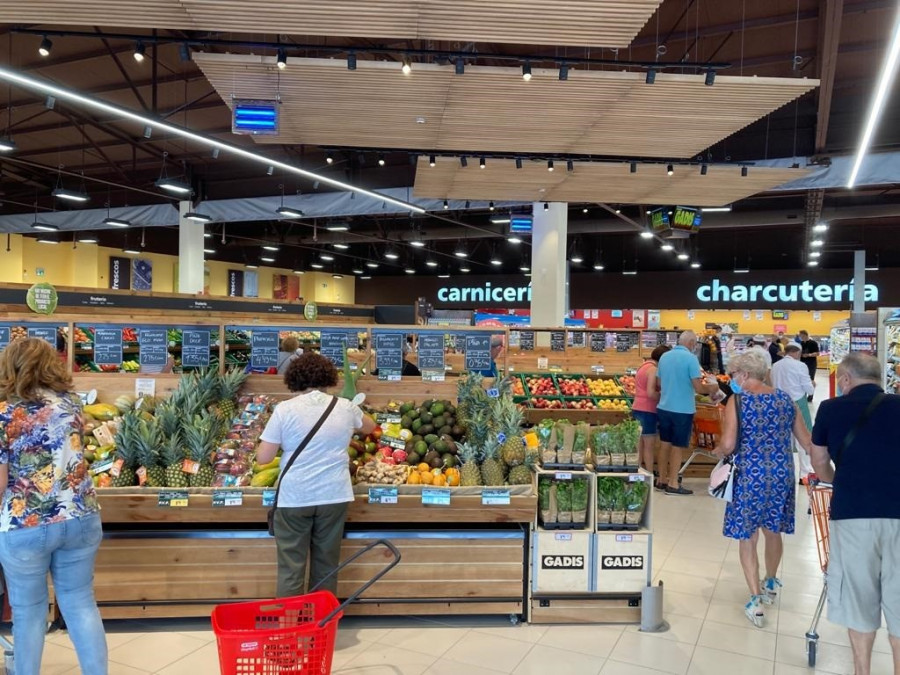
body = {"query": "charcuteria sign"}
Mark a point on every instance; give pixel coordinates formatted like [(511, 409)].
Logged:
[(485, 293), (804, 292)]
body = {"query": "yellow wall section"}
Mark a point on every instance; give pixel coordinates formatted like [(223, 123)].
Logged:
[(798, 320), (44, 262), (11, 261)]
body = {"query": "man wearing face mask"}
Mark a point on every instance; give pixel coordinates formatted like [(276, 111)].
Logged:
[(859, 433)]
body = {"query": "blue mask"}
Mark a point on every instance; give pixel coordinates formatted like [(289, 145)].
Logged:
[(735, 387)]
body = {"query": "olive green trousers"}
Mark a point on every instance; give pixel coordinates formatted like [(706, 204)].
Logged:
[(308, 536)]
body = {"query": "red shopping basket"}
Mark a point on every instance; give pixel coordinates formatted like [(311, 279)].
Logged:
[(287, 636)]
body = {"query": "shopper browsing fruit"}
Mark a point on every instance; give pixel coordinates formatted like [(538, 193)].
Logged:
[(646, 398), (680, 378), (859, 433), (757, 431), (50, 522), (315, 489)]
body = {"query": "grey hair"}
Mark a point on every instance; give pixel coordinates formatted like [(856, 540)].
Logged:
[(861, 367), (792, 348), (753, 362), (687, 337)]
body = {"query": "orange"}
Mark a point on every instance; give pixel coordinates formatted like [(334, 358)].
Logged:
[(440, 479), (451, 471), (414, 478), (426, 478), (453, 479), (424, 467)]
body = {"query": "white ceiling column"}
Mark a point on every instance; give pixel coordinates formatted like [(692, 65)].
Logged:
[(548, 267), (190, 252)]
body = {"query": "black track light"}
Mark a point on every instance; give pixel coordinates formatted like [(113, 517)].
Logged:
[(669, 169), (549, 165), (481, 162), (491, 206), (710, 78), (380, 159), (546, 206), (139, 52), (634, 167), (431, 160), (446, 205), (563, 72), (45, 47), (463, 161), (744, 171), (704, 169), (651, 76), (518, 162), (526, 71), (281, 59), (329, 158), (460, 66), (468, 203), (407, 66), (570, 165), (351, 61)]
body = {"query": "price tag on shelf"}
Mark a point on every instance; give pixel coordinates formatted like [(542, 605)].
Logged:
[(637, 478), (97, 469), (227, 498), (598, 369), (396, 443), (563, 475), (624, 538), (382, 495), (433, 376), (436, 496), (268, 497), (144, 386), (493, 393), (563, 536), (494, 497), (542, 363), (173, 499)]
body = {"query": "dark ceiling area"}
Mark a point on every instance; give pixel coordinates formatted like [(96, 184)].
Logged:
[(58, 143)]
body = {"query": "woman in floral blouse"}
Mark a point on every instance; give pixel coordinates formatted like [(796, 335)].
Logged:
[(49, 519)]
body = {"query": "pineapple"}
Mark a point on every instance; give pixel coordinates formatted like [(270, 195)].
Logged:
[(470, 473), (172, 453), (201, 438), (521, 474), (229, 385), (491, 468), (148, 447), (207, 386), (508, 420), (127, 441)]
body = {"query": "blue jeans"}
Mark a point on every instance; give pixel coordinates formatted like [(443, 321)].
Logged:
[(67, 550)]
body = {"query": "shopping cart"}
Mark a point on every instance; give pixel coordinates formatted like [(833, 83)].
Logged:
[(287, 636), (820, 506), (708, 423)]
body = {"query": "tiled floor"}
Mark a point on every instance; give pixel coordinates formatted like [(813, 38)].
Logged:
[(704, 597)]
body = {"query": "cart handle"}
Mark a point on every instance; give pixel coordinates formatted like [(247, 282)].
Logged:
[(362, 589)]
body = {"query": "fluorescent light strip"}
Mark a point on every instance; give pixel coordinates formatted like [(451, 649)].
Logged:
[(888, 70), (38, 85), (716, 209)]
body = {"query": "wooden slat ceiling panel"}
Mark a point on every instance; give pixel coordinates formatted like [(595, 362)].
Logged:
[(606, 182), (587, 23), (491, 109)]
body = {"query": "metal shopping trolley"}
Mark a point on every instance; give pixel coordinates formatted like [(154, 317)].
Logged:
[(708, 423), (820, 507), (287, 636)]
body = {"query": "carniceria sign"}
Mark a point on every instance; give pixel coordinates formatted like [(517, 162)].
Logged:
[(806, 291), (485, 293)]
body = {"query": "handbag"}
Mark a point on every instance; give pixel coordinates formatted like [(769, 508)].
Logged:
[(721, 480), (270, 516)]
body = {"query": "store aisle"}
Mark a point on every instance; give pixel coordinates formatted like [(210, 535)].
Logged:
[(705, 593)]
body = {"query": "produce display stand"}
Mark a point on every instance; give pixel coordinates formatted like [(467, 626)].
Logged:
[(574, 350)]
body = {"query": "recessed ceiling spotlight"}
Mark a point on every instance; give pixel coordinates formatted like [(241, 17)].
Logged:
[(584, 210)]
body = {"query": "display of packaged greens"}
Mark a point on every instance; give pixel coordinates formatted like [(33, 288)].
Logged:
[(580, 443), (545, 486), (580, 499), (564, 501), (616, 448), (565, 439), (600, 442), (630, 437), (545, 431), (635, 501), (617, 512), (606, 490)]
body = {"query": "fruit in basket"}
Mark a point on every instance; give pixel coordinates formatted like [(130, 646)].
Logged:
[(149, 441), (102, 411), (228, 386), (470, 473), (521, 474), (124, 403), (616, 404), (200, 437), (546, 404), (517, 389), (628, 384), (507, 419), (127, 440), (584, 404), (491, 468), (541, 386), (605, 387), (573, 387)]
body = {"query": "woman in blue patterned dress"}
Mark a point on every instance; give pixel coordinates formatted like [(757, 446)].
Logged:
[(49, 519), (763, 498)]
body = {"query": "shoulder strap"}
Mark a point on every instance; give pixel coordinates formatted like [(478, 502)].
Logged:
[(304, 443), (860, 423)]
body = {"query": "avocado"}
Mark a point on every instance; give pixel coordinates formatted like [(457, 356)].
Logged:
[(413, 414), (438, 421), (426, 417), (429, 456), (431, 438), (436, 462), (437, 409), (426, 429), (451, 420), (405, 408), (427, 404), (448, 460), (445, 430), (456, 431), (416, 426), (416, 438), (420, 447), (413, 458), (406, 422), (440, 446)]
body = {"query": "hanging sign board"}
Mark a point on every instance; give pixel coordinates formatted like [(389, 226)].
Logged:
[(154, 347), (557, 341), (47, 333), (332, 345), (4, 337), (108, 346), (264, 349), (478, 352), (526, 340), (598, 342), (195, 348), (389, 355), (431, 357)]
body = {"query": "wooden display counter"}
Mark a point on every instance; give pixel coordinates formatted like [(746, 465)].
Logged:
[(465, 558)]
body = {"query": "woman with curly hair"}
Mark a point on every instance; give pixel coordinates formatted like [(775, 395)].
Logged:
[(315, 490), (49, 519)]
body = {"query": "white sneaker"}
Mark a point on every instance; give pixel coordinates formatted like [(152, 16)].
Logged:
[(771, 586), (754, 611)]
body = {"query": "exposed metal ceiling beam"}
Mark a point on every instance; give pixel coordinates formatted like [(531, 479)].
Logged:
[(830, 14)]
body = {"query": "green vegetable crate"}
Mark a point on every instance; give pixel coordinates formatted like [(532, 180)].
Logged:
[(564, 500)]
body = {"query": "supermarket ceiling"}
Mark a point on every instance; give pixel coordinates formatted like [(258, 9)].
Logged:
[(790, 80)]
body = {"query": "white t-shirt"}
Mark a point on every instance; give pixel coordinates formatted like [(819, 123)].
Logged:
[(320, 474)]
